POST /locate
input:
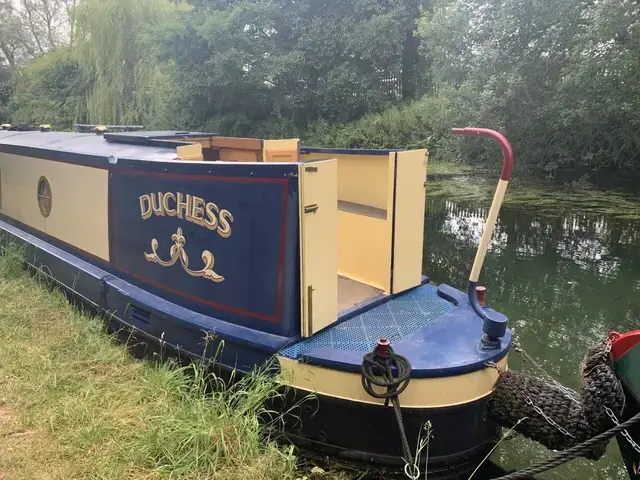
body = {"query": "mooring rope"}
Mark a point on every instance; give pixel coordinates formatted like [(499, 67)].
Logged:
[(378, 369), (574, 452)]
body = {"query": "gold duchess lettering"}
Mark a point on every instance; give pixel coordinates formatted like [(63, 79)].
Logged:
[(188, 207)]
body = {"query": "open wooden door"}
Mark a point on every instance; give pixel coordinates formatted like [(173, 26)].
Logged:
[(411, 175), (318, 195)]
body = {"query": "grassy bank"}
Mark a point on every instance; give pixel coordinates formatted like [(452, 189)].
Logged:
[(75, 405)]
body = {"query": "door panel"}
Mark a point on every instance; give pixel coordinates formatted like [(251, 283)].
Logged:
[(318, 196), (411, 174)]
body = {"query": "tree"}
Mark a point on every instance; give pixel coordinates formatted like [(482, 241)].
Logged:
[(70, 9), (115, 50), (46, 21), (601, 94), (13, 44), (559, 78), (30, 28), (52, 90), (5, 91), (291, 62)]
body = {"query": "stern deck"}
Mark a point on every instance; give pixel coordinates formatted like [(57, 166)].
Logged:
[(434, 327)]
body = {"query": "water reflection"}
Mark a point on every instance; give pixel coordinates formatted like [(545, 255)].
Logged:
[(565, 283)]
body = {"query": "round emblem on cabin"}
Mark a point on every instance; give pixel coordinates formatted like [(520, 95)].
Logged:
[(44, 196)]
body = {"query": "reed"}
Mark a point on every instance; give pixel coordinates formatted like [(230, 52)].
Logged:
[(75, 405)]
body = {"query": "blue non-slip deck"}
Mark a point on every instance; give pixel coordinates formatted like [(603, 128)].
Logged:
[(392, 320), (434, 327)]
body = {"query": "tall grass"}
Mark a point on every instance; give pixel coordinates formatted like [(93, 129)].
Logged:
[(75, 405)]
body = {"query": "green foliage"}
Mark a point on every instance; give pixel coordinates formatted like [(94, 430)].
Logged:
[(601, 95), (243, 63), (560, 79), (413, 126), (51, 90), (116, 50), (5, 92)]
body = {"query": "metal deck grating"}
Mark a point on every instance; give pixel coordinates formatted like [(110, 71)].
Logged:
[(394, 320)]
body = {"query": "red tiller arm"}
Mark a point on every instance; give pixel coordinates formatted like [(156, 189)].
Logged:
[(507, 152), (494, 326)]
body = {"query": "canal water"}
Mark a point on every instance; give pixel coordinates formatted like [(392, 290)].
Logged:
[(564, 280)]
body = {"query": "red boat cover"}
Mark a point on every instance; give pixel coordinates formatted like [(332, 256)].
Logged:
[(621, 343)]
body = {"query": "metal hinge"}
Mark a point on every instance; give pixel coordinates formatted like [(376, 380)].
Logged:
[(311, 208)]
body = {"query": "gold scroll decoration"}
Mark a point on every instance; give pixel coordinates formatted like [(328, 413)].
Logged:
[(177, 252)]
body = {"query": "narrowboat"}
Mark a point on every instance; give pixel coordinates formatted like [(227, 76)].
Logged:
[(258, 251)]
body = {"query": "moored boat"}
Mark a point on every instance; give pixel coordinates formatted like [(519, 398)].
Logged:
[(625, 353), (262, 250)]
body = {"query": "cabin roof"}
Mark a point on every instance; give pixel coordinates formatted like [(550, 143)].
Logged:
[(154, 138), (88, 143), (146, 145)]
